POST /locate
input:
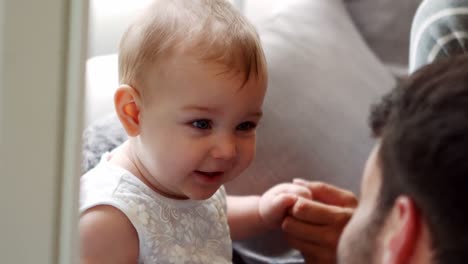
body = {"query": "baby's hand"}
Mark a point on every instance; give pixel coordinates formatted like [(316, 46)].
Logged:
[(275, 202)]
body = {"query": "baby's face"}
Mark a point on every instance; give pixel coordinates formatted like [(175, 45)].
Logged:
[(198, 126)]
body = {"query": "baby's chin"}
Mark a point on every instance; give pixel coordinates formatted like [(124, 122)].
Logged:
[(200, 195)]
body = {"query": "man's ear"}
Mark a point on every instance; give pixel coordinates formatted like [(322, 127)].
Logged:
[(403, 232), (127, 104)]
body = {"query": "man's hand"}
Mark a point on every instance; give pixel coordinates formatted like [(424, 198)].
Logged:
[(314, 226)]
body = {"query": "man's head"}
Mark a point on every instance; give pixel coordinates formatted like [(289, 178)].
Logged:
[(413, 207)]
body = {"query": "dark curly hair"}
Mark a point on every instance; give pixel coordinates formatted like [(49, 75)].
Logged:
[(423, 128)]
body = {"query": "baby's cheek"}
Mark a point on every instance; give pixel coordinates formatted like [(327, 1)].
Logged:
[(247, 155)]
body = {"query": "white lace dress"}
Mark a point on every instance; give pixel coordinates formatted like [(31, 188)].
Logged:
[(169, 231)]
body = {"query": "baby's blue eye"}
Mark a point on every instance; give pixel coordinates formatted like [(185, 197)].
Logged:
[(202, 124), (246, 126)]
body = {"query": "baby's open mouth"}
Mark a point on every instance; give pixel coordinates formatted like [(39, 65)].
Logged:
[(210, 174)]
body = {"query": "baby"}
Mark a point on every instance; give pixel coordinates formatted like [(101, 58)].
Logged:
[(192, 83)]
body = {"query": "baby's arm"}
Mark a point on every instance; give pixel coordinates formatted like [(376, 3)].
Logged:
[(252, 215), (107, 236)]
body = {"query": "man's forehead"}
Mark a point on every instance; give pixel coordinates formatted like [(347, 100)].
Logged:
[(372, 179)]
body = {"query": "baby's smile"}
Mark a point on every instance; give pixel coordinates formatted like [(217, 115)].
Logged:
[(209, 176)]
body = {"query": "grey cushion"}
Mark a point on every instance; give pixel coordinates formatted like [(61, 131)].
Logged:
[(385, 26), (100, 137)]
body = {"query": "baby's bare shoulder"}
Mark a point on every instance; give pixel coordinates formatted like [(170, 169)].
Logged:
[(107, 236)]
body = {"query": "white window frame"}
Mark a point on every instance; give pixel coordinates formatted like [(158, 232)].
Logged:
[(42, 58)]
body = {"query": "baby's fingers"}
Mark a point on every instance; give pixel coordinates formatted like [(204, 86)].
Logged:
[(291, 188), (283, 201), (274, 211), (301, 191), (275, 203)]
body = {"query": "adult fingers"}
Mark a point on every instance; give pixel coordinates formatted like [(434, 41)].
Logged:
[(328, 193), (318, 213), (322, 235)]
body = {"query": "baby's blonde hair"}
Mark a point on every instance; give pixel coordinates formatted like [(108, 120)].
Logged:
[(212, 30)]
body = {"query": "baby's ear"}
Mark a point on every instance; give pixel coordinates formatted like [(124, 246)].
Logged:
[(127, 106)]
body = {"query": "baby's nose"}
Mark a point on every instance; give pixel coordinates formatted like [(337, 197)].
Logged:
[(225, 148)]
